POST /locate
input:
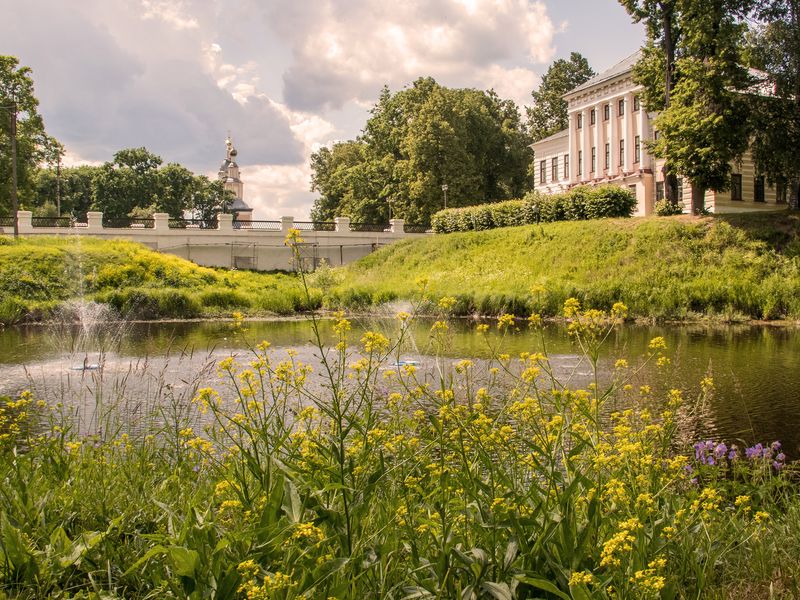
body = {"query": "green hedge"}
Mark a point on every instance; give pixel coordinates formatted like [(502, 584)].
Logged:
[(578, 204)]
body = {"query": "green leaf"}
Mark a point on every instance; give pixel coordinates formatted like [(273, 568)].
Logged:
[(184, 560), (497, 590), (544, 585)]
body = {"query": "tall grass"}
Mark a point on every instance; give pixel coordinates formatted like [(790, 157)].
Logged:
[(364, 476), (728, 267)]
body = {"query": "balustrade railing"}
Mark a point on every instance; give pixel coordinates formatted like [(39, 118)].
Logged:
[(314, 225), (262, 225), (369, 227), (408, 228), (51, 221), (7, 221), (192, 224), (128, 223)]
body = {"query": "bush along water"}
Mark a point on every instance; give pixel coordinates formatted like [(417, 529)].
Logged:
[(578, 204), (369, 476)]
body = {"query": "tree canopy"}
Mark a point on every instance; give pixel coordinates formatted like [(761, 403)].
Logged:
[(548, 113), (417, 140)]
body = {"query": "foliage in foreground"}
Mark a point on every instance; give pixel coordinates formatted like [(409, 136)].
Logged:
[(37, 276), (367, 477), (578, 204), (727, 266)]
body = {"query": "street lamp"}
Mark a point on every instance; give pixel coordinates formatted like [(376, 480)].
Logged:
[(444, 190)]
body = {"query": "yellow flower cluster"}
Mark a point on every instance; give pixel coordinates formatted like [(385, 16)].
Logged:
[(620, 544)]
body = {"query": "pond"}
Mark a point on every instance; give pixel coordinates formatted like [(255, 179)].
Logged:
[(756, 369)]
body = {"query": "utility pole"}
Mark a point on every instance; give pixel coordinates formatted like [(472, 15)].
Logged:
[(444, 190), (58, 181), (13, 135)]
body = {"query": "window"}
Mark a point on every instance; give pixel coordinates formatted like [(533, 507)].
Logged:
[(566, 166), (580, 121), (758, 192), (680, 190), (656, 135), (580, 162), (621, 152), (554, 168), (608, 156), (736, 187), (621, 107), (543, 171), (606, 112), (594, 159), (593, 117), (659, 191), (637, 149), (636, 103)]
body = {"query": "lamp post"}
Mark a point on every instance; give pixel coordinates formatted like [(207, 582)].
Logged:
[(444, 190)]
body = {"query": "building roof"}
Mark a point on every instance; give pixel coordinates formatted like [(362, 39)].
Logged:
[(238, 205), (618, 69), (561, 134)]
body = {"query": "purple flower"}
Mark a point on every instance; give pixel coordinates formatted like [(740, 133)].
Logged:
[(778, 466), (711, 461), (776, 445), (732, 455), (781, 457), (720, 450)]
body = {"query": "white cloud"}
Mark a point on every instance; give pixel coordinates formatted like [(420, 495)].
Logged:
[(169, 11), (346, 52)]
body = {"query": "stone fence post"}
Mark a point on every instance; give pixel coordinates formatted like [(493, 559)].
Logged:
[(94, 221), (161, 221), (224, 222), (342, 224), (24, 223), (286, 224), (397, 225)]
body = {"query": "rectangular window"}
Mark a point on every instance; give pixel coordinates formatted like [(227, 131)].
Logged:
[(637, 150), (543, 171), (593, 117), (580, 121), (554, 168), (636, 104), (656, 135), (608, 156), (621, 107), (606, 112), (736, 187), (580, 162), (758, 192), (566, 166), (594, 159), (680, 190), (659, 191), (621, 153)]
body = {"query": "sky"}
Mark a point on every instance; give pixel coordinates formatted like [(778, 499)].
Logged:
[(284, 77)]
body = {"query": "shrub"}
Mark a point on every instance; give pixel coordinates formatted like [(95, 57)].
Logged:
[(224, 298), (665, 208), (580, 203)]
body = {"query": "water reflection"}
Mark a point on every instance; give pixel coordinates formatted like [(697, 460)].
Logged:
[(756, 369)]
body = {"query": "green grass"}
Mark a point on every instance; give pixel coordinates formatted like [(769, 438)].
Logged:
[(38, 274), (736, 266)]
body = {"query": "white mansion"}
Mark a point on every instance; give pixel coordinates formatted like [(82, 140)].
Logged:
[(604, 144)]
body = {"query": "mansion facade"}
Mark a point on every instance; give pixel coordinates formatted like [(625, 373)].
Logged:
[(605, 144)]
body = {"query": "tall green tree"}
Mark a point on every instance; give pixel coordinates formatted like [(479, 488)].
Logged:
[(706, 125), (19, 110), (417, 140), (656, 70), (77, 189), (548, 113), (774, 48), (128, 182)]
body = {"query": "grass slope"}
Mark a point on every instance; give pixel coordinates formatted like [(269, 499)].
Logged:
[(678, 267), (37, 275)]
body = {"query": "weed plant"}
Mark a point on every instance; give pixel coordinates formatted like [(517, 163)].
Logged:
[(369, 477)]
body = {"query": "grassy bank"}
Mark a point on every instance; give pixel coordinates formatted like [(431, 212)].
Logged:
[(360, 479), (38, 275), (738, 266)]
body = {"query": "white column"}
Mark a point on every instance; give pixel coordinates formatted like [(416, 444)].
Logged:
[(571, 152), (397, 225), (24, 223), (224, 222), (585, 146), (287, 223), (161, 221), (644, 134), (94, 221), (342, 224), (613, 139), (600, 140), (629, 135)]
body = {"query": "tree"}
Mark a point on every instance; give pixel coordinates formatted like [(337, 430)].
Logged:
[(21, 132), (656, 70), (706, 124), (417, 140), (77, 189), (209, 199), (130, 181), (774, 48), (176, 186), (548, 114)]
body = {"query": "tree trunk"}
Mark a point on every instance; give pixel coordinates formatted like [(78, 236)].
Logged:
[(794, 194), (667, 24), (698, 199)]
